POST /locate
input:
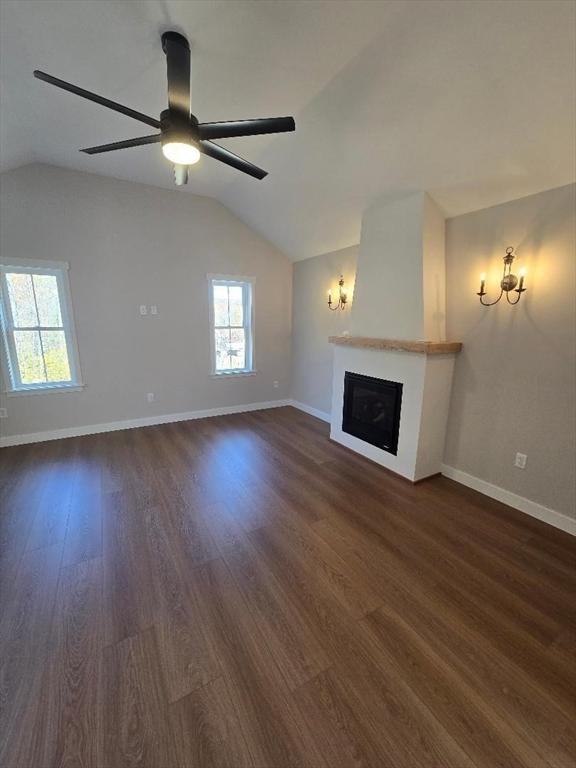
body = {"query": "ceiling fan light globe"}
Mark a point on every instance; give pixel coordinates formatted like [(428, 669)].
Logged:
[(181, 153)]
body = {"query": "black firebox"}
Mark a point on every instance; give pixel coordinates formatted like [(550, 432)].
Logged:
[(372, 410)]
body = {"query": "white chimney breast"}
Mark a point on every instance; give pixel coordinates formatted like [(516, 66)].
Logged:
[(434, 271), (400, 279), (400, 300)]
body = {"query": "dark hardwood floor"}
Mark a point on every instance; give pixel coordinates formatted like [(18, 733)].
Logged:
[(239, 592)]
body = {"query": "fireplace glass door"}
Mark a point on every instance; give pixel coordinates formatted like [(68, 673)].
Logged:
[(371, 410)]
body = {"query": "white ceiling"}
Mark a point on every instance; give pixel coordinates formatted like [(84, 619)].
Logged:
[(471, 100)]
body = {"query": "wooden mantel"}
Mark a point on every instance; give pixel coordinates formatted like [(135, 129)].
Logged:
[(398, 345)]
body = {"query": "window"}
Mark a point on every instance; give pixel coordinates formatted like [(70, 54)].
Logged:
[(231, 308), (36, 315)]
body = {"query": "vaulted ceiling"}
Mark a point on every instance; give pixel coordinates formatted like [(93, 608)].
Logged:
[(471, 100)]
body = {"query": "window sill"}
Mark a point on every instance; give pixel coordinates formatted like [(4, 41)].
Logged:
[(232, 374), (44, 390)]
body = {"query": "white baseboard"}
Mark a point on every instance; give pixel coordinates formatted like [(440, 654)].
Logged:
[(145, 421), (308, 409), (550, 516)]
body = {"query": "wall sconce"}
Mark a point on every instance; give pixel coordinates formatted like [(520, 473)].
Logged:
[(507, 284), (342, 296)]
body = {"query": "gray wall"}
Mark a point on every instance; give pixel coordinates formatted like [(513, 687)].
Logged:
[(312, 323), (514, 382), (128, 245)]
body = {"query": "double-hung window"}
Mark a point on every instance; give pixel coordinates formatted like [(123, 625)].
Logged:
[(231, 315), (37, 326)]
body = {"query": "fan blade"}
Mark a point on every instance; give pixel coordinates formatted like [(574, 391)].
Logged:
[(98, 99), (177, 51), (219, 153), (246, 127), (138, 142)]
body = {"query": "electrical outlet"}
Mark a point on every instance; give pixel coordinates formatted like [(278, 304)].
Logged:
[(150, 397), (143, 309), (276, 384), (153, 309), (520, 460), (3, 413)]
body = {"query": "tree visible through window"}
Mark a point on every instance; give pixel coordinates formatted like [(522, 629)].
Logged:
[(37, 329), (232, 325)]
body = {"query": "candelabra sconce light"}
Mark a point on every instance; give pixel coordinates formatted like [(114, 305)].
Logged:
[(508, 285), (342, 297)]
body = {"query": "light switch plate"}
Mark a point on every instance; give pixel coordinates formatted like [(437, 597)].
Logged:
[(520, 460)]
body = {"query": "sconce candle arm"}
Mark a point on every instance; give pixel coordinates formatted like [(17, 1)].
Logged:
[(512, 302), (520, 290), (490, 303)]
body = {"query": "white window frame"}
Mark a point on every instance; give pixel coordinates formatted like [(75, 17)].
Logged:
[(59, 269), (247, 284)]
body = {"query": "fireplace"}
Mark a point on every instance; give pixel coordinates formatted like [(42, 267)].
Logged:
[(371, 410)]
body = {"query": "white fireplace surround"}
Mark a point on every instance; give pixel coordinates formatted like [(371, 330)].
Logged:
[(426, 383)]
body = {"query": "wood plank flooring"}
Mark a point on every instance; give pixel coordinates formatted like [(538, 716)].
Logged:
[(239, 592)]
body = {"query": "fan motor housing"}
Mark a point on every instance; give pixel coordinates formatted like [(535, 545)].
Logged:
[(178, 128)]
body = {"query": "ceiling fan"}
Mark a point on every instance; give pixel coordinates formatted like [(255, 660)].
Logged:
[(182, 137)]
